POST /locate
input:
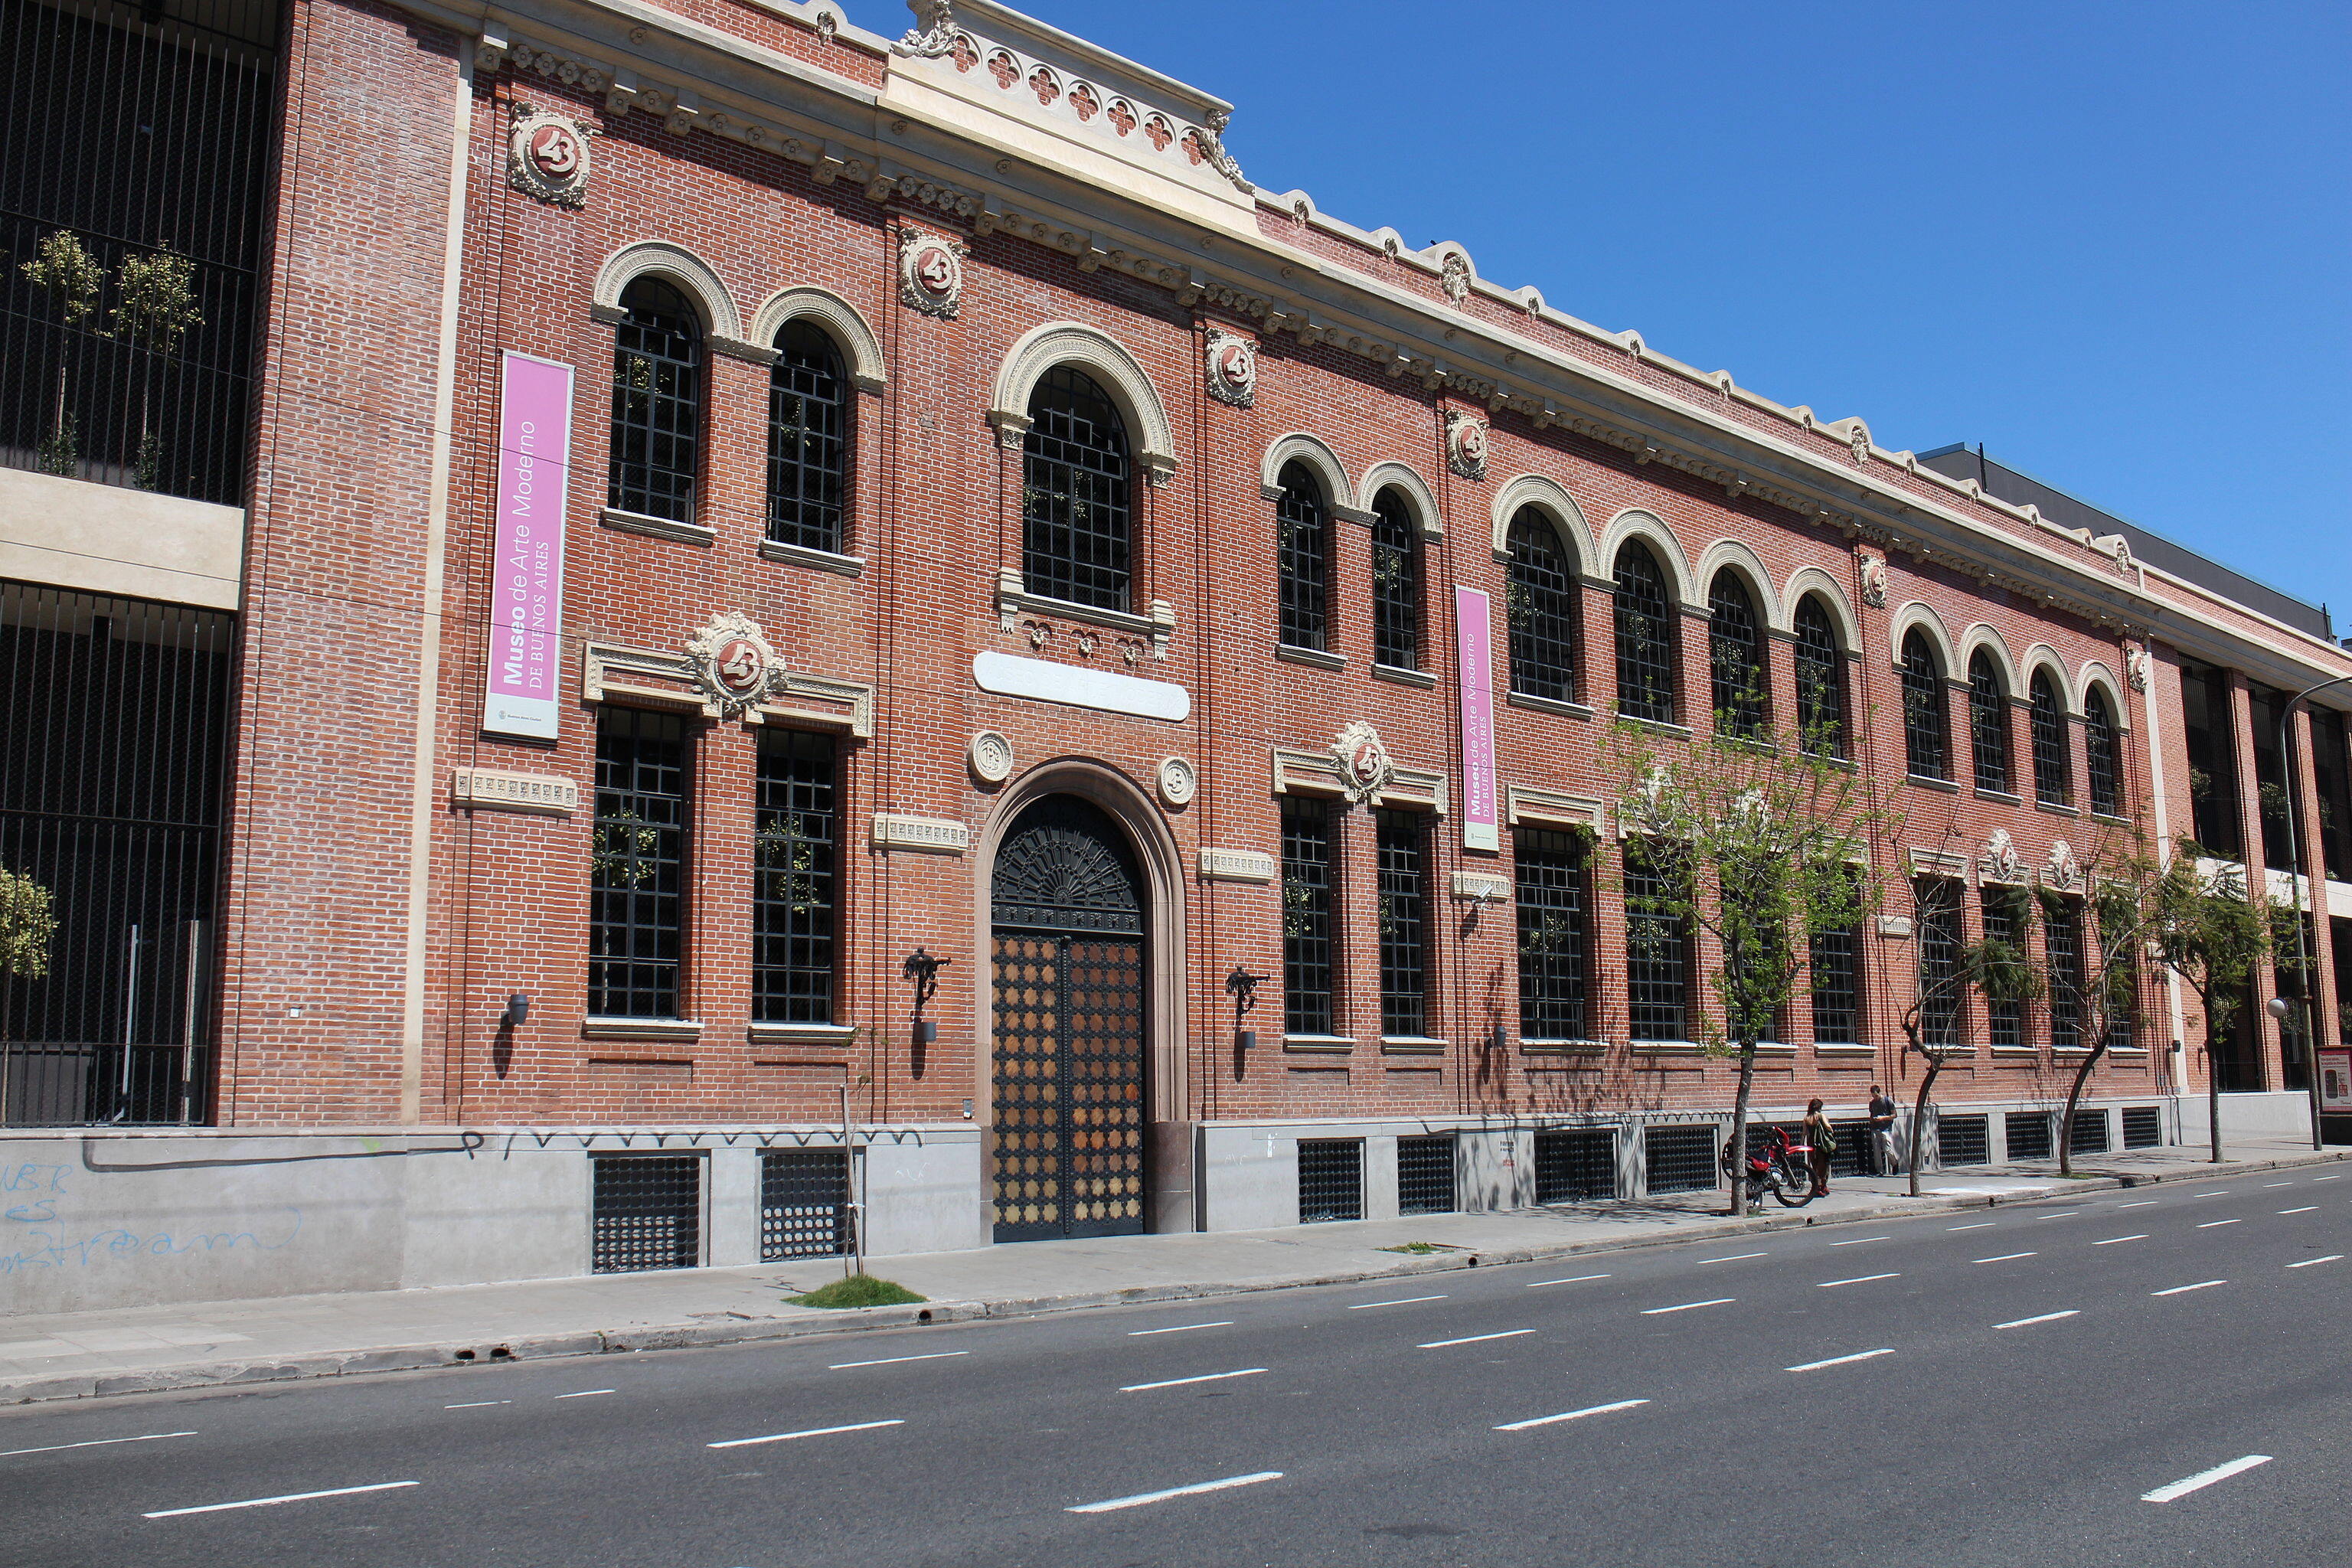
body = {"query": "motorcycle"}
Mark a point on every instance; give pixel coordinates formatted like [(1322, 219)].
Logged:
[(1778, 1166)]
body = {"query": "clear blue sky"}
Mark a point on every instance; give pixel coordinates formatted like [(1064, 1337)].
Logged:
[(2107, 241)]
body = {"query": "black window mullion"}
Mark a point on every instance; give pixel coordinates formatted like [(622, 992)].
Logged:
[(1396, 583), (1307, 949), (2100, 761), (1548, 880), (638, 871), (656, 404), (1658, 954), (1646, 638), (1988, 725), (1821, 681), (1539, 601), (1404, 918), (2053, 777), (1736, 658), (796, 831), (1940, 938), (1926, 743), (808, 440), (1076, 499), (1302, 552), (2004, 1020)]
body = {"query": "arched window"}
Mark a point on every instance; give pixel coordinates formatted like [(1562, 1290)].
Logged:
[(1396, 583), (1302, 546), (1989, 724), (1735, 650), (1820, 680), (1539, 598), (1926, 747), (656, 404), (2053, 783), (1075, 494), (1645, 636), (808, 440), (2099, 754)]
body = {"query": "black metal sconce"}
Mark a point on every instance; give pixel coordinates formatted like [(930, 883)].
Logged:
[(924, 969), (518, 1010), (1242, 986)]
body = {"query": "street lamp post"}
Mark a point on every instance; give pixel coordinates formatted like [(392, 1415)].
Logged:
[(2296, 875)]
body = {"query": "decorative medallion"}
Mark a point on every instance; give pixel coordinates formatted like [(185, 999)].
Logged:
[(1873, 581), (1465, 445), (930, 272), (2061, 872), (1455, 278), (547, 156), (2000, 861), (1364, 764), (991, 757), (2136, 668), (1178, 782), (1233, 369), (731, 660)]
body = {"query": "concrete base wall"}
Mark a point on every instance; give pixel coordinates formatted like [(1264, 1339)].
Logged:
[(120, 1219)]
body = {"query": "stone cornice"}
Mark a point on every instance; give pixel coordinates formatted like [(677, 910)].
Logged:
[(697, 77)]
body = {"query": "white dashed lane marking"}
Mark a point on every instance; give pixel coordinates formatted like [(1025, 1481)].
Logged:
[(2183, 1290), (2331, 1258), (2211, 1223), (2204, 1478), (1839, 1359), (1472, 1339), (2044, 1317), (92, 1443), (1400, 1301), (273, 1501), (1140, 1498), (1577, 1279), (1735, 1257), (811, 1432), (1689, 1306), (894, 1359), (2008, 1258), (1180, 1328), (1857, 1279), (1180, 1381), (1570, 1415), (2113, 1239)]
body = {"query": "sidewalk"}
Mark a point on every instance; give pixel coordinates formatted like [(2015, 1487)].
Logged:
[(136, 1349)]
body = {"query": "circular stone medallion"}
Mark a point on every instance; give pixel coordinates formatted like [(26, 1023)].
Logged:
[(991, 757), (1177, 782)]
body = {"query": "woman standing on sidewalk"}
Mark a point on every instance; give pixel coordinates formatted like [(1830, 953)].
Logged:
[(1823, 1139)]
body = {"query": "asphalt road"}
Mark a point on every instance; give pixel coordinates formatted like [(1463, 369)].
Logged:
[(2018, 1386)]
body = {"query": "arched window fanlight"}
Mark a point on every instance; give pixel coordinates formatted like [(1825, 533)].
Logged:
[(1075, 494), (1735, 646), (1302, 544), (1539, 601), (656, 455), (808, 440), (1646, 649), (1927, 741), (1989, 724), (1821, 681)]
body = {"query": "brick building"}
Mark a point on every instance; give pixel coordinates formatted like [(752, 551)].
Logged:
[(796, 589)]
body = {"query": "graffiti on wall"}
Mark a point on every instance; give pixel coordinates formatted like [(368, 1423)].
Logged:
[(39, 1230)]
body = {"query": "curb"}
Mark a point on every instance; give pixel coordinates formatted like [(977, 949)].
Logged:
[(862, 1320)]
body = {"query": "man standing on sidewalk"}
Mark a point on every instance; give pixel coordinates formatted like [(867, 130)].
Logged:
[(1881, 1132)]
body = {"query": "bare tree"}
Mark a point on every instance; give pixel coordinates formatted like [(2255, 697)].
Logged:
[(2210, 930), (2110, 923), (1758, 843), (1996, 969)]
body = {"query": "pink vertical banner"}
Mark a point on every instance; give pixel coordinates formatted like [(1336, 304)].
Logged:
[(1474, 649), (527, 578)]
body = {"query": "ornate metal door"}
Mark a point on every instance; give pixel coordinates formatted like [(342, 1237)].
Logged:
[(1068, 1095)]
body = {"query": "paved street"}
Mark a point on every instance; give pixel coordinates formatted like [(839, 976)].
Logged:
[(2038, 1383)]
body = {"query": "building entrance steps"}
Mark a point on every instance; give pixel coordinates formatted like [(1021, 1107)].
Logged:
[(70, 1355)]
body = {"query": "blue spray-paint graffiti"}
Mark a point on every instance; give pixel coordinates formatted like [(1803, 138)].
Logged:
[(37, 1188)]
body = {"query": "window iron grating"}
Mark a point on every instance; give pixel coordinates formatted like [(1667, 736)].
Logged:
[(2143, 1127), (647, 1211), (1330, 1179), (1682, 1157), (805, 1204), (1425, 1175), (2029, 1135), (2090, 1130), (1964, 1141), (1575, 1165)]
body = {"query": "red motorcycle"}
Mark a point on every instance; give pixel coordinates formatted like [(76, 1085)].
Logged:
[(1777, 1165)]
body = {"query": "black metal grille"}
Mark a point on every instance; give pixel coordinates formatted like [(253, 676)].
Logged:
[(1302, 538), (1330, 1179), (1734, 647), (1853, 1156), (2089, 1134), (2030, 1135), (2331, 780), (2062, 942), (2143, 1126), (1575, 1165), (2003, 912), (637, 872), (1541, 601), (1550, 881), (647, 1211), (1396, 583), (1657, 952), (1926, 748), (805, 1204), (793, 891), (1963, 1141), (2123, 1003), (2099, 758), (1404, 917), (1646, 638), (1075, 494), (1987, 724), (1307, 948), (133, 183), (2209, 734), (1837, 987), (656, 404), (114, 733), (1425, 1175), (2053, 783), (1937, 901), (1068, 1120), (1820, 680), (1682, 1158), (808, 440), (2265, 708)]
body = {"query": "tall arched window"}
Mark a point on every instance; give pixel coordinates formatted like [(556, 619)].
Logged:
[(2053, 783), (1926, 738), (1540, 599), (1396, 583), (1645, 636), (808, 440), (1989, 724), (656, 404), (1302, 546), (2099, 754), (1735, 649), (1075, 494), (1820, 680)]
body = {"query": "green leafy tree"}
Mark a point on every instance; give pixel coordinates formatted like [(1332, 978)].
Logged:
[(71, 278), (157, 308), (27, 925), (2210, 930), (1756, 844)]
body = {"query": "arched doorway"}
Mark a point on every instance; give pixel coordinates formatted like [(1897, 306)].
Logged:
[(1067, 913)]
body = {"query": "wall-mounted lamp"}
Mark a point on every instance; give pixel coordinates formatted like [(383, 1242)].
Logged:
[(925, 1031), (924, 969), (1498, 1037), (1242, 986), (518, 1010)]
